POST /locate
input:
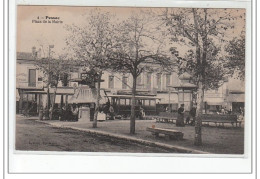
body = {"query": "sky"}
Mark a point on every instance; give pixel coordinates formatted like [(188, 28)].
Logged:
[(41, 35)]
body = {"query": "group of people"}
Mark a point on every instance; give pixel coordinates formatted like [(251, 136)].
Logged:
[(192, 114), (66, 113), (110, 112), (189, 119), (224, 111), (108, 109)]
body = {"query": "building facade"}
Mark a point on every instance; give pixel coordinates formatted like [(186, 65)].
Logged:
[(169, 89), (28, 78), (230, 96)]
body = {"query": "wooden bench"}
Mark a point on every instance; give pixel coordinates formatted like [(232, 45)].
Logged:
[(172, 134), (220, 119)]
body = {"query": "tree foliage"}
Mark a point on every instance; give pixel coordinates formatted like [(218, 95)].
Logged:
[(213, 69), (203, 32), (58, 69), (136, 44), (138, 41), (235, 61), (90, 44)]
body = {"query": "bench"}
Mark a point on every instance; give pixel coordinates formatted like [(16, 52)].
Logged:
[(148, 118), (162, 119), (165, 119), (172, 134), (220, 119)]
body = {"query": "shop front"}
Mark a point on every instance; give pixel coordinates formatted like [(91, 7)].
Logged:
[(236, 101)]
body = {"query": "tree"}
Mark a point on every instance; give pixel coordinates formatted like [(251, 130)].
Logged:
[(200, 30), (90, 45), (54, 71), (136, 43), (235, 61)]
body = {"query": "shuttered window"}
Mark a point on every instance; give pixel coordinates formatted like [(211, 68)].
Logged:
[(32, 77), (111, 82)]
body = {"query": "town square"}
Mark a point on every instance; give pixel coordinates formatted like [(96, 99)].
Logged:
[(130, 80)]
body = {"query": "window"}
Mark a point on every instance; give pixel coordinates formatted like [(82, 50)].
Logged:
[(159, 82), (152, 103), (122, 101), (146, 103), (32, 77), (149, 81), (127, 102), (168, 80), (40, 79), (111, 82), (124, 82)]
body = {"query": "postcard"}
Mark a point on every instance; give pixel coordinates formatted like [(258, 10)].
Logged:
[(138, 81)]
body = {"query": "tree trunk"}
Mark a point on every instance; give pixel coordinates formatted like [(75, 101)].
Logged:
[(202, 78), (66, 101), (47, 115), (132, 118), (53, 103), (97, 102), (198, 121), (200, 94)]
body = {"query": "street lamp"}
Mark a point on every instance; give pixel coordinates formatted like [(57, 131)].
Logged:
[(48, 85)]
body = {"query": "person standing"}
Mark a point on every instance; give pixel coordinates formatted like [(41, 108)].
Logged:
[(106, 108), (180, 119), (111, 111), (75, 112), (222, 110), (192, 114)]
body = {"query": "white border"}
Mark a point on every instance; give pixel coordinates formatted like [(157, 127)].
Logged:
[(126, 163)]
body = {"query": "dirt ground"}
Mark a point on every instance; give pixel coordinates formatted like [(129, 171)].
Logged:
[(217, 140), (35, 136)]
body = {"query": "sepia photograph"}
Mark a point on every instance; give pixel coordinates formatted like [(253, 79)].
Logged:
[(130, 80)]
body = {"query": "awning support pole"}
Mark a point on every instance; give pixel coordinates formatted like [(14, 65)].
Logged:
[(27, 105), (61, 101), (66, 101)]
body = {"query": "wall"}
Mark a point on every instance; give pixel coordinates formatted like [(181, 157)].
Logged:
[(22, 75), (154, 86)]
